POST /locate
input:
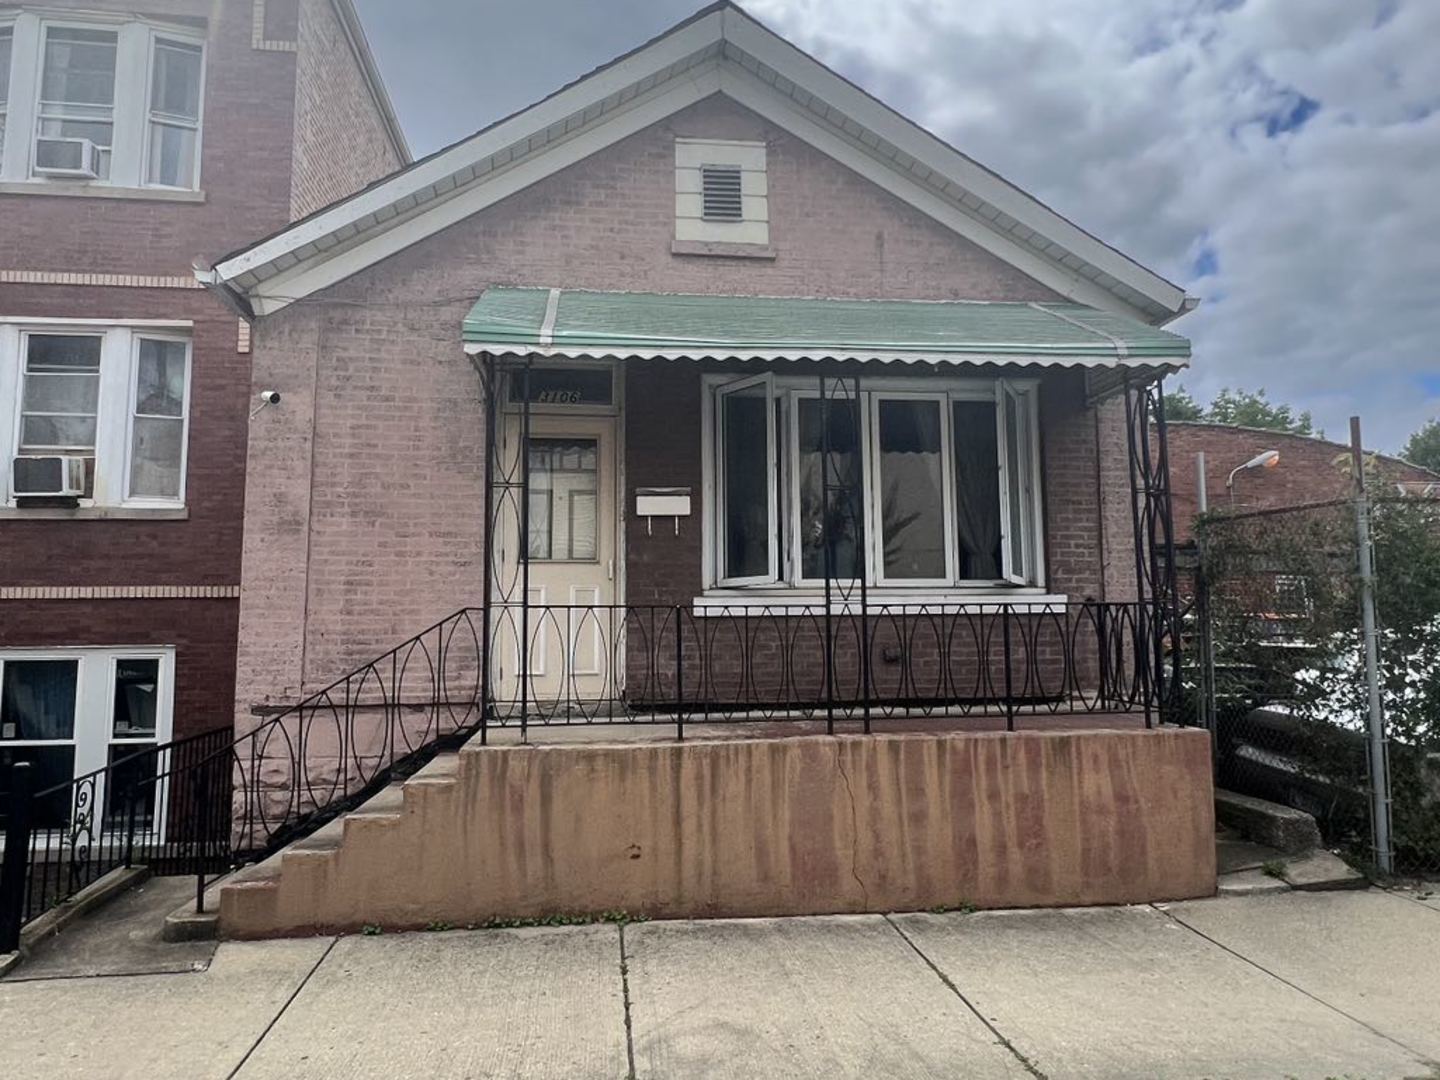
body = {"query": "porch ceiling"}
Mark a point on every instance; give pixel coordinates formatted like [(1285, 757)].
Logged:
[(582, 324)]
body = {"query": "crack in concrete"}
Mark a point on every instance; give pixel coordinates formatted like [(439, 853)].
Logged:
[(276, 1018), (625, 994), (854, 829), (1029, 1066)]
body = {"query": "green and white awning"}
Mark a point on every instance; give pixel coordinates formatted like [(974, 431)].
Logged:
[(580, 324)]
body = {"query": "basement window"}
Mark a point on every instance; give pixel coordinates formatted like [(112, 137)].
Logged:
[(721, 194)]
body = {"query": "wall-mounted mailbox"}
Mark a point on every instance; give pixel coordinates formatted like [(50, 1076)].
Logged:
[(662, 502)]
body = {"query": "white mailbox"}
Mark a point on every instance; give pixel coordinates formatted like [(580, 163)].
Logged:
[(662, 502)]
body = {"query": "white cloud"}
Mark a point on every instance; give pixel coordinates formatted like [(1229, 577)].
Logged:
[(1146, 123)]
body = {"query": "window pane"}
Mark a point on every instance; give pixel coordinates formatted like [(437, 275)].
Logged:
[(61, 394), (745, 442), (172, 156), (175, 86), (845, 501), (79, 67), (50, 765), (37, 699), (44, 433), (62, 352), (5, 39), (155, 458), (977, 490), (160, 379), (912, 495), (136, 774), (563, 386), (1017, 484), (564, 474), (137, 689)]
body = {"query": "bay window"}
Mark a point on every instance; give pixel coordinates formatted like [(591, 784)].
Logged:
[(101, 101), (927, 485), (116, 397)]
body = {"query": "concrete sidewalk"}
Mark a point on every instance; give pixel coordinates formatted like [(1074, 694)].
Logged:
[(1295, 985)]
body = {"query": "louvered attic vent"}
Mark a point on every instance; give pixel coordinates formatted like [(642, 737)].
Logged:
[(720, 188)]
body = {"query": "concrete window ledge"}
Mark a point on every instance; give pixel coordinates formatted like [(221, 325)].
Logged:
[(722, 249), (99, 191), (890, 603), (94, 513)]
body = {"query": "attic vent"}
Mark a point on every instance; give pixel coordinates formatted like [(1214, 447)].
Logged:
[(720, 190)]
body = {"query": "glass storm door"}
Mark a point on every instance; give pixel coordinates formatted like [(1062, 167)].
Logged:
[(574, 632)]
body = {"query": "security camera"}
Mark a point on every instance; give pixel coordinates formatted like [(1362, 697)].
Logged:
[(267, 397)]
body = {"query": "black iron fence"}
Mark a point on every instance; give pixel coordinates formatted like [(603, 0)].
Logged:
[(200, 805)]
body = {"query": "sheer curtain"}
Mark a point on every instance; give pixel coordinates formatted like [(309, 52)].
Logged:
[(977, 483)]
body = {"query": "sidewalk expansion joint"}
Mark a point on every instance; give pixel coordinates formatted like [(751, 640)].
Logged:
[(1029, 1066), (1298, 989), (625, 994), (276, 1018)]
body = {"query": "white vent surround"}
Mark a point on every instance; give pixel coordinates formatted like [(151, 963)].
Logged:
[(720, 192)]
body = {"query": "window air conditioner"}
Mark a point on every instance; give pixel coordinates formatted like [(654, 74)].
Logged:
[(76, 158), (48, 477)]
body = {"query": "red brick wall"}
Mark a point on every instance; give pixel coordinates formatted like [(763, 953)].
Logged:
[(340, 140), (382, 534), (1310, 470)]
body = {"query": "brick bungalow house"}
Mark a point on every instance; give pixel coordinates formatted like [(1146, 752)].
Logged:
[(136, 138), (706, 388)]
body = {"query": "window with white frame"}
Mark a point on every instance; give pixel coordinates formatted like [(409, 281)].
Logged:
[(928, 485), (720, 191), (115, 397), (71, 711), (100, 100)]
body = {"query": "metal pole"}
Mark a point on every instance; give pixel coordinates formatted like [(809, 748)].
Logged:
[(679, 677), (826, 540), (523, 550), (489, 386), (17, 848), (1379, 764)]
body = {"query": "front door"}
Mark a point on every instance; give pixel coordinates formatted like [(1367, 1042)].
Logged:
[(570, 625)]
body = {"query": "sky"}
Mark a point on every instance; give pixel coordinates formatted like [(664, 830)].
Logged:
[(1280, 159)]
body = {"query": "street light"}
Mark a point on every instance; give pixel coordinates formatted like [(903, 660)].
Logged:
[(1266, 459)]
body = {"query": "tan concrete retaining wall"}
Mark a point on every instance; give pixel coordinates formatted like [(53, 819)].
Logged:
[(763, 827)]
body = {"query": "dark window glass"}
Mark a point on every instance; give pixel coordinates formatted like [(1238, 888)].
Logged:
[(977, 490), (912, 496), (743, 415), (842, 520), (37, 699)]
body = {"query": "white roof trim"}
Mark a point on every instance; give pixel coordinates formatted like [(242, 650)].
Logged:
[(638, 90)]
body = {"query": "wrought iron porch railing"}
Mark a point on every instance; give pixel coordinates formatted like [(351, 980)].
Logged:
[(200, 805)]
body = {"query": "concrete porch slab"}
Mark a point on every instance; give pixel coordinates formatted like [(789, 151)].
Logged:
[(1129, 992), (823, 998), (1371, 954), (502, 1003)]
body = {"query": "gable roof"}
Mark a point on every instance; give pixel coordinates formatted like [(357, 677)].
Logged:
[(720, 49)]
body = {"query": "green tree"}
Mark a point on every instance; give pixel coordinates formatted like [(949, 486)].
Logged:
[(1423, 449), (1246, 409), (1179, 405)]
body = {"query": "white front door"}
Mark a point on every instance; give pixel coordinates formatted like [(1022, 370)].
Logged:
[(570, 628)]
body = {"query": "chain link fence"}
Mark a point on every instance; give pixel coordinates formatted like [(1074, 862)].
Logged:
[(1281, 667)]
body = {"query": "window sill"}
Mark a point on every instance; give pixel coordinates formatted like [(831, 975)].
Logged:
[(801, 602), (90, 190), (722, 248), (94, 513)]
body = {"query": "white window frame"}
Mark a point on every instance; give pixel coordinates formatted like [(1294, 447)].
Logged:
[(790, 390), (7, 28), (93, 733), (722, 391), (134, 62), (115, 410)]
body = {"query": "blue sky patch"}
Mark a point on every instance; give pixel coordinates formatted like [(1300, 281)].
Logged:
[(1292, 118), (1206, 262)]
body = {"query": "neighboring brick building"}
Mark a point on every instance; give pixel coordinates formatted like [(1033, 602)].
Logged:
[(1309, 470), (136, 140), (673, 438)]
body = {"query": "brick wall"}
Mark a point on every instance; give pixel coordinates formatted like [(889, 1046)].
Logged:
[(340, 140), (381, 533), (1310, 470)]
